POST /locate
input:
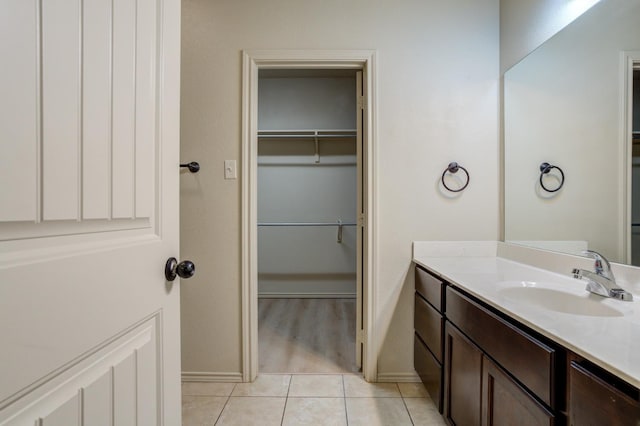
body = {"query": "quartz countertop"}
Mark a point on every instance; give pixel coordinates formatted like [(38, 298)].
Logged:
[(612, 342)]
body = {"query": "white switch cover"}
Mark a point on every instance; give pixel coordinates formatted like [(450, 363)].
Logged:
[(230, 169)]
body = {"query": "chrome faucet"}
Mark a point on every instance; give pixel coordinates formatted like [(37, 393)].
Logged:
[(602, 281)]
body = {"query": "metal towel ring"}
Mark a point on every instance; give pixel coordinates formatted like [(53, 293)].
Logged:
[(453, 168), (545, 168)]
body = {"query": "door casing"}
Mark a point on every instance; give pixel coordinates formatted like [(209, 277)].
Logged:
[(253, 61), (629, 60)]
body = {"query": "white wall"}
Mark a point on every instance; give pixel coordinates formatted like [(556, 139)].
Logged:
[(292, 187), (562, 105), (437, 102), (526, 24)]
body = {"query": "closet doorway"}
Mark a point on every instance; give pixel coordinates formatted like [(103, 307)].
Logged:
[(308, 211), (308, 199)]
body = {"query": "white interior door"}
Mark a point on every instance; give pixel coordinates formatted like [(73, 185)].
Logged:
[(89, 109)]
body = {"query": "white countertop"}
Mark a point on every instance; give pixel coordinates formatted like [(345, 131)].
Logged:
[(612, 342)]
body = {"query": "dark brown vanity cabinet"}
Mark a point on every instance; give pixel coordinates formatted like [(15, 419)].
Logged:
[(482, 367), (479, 392), (495, 373), (597, 397), (428, 325)]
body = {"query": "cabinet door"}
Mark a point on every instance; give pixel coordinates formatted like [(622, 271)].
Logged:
[(463, 378), (598, 398), (504, 402)]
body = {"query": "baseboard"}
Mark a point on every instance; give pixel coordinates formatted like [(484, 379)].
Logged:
[(398, 377), (194, 376), (274, 295)]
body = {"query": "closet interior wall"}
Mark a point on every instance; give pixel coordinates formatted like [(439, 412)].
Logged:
[(304, 181)]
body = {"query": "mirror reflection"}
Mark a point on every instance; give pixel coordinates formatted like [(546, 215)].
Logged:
[(570, 104)]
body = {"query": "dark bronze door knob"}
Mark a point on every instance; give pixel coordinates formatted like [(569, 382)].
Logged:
[(184, 269)]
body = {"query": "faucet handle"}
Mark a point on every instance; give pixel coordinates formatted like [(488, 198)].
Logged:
[(620, 294), (602, 265)]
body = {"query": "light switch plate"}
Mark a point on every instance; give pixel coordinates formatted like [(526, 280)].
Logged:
[(230, 169)]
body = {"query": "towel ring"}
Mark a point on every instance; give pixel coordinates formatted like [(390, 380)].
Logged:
[(545, 168), (453, 168)]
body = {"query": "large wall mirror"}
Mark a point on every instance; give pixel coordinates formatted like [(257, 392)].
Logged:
[(570, 104)]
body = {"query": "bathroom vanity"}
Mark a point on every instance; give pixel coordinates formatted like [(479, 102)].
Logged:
[(501, 342)]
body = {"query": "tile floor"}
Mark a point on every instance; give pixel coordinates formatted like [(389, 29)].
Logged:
[(306, 399)]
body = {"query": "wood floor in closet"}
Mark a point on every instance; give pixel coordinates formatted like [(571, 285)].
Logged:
[(306, 335)]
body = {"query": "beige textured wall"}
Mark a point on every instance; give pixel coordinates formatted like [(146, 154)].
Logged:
[(437, 92)]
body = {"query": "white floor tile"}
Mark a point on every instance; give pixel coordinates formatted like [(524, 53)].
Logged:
[(356, 386), (315, 411), (264, 385), (250, 411), (424, 412), (207, 388), (377, 412), (316, 386), (318, 399), (413, 390), (201, 410)]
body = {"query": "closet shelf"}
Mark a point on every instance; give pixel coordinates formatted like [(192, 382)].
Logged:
[(315, 135), (306, 134)]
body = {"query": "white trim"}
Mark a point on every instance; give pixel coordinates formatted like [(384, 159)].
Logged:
[(625, 147), (398, 378), (276, 295), (252, 60), (195, 376)]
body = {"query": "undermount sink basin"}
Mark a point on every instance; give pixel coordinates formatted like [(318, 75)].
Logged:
[(552, 297)]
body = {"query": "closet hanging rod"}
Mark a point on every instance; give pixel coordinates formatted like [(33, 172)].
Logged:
[(305, 224)]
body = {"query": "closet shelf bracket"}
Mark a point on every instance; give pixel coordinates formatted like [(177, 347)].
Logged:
[(315, 138)]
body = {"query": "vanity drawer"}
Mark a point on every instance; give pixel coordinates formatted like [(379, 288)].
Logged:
[(529, 360), (429, 287), (429, 370), (428, 324)]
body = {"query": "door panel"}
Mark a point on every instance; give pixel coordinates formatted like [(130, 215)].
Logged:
[(97, 402), (88, 323), (64, 415), (60, 111), (106, 385), (96, 116), (124, 119), (18, 119)]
